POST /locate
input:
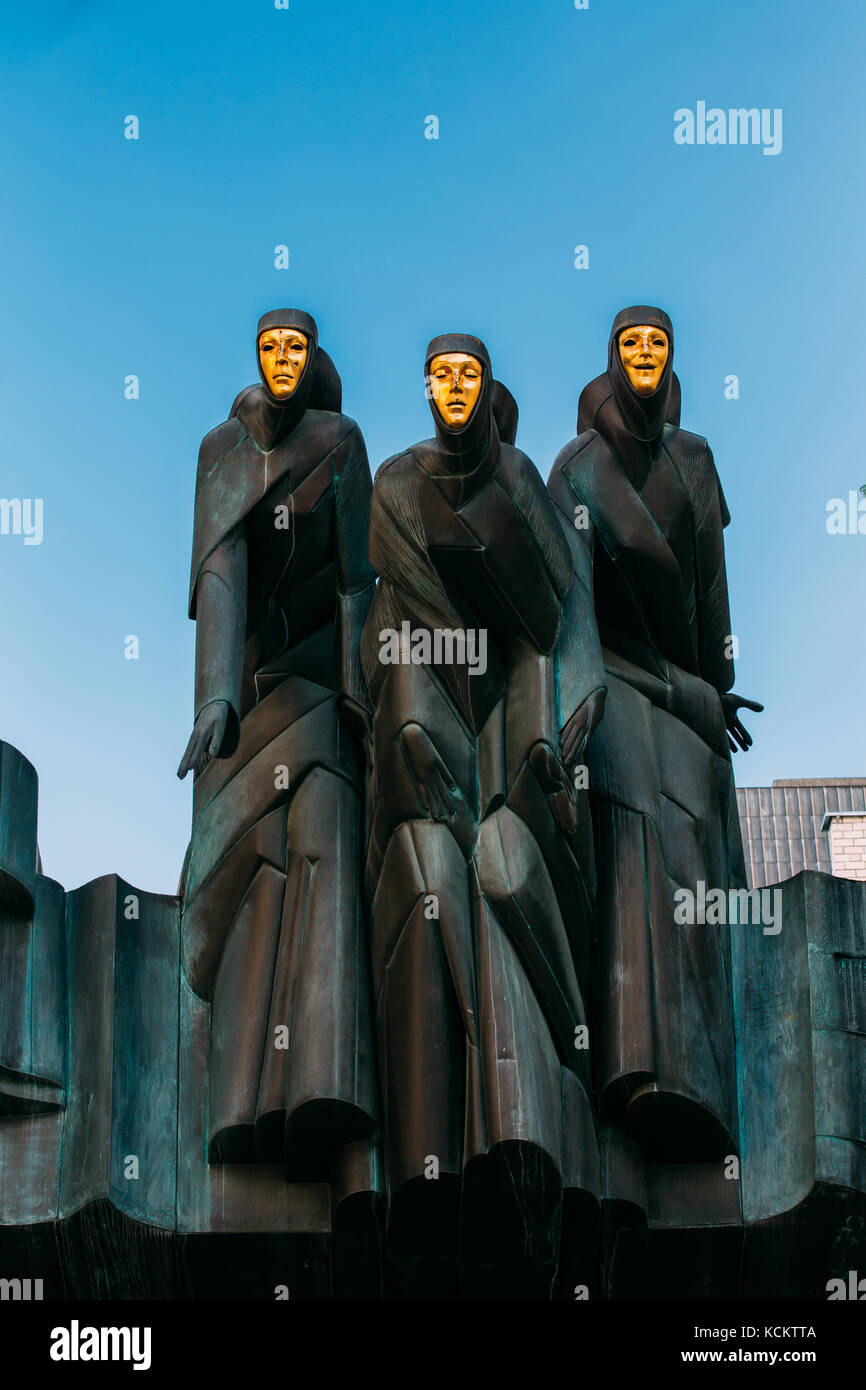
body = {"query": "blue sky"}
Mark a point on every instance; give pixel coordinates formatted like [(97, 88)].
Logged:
[(306, 127)]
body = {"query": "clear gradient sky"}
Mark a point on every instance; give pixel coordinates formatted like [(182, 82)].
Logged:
[(306, 127)]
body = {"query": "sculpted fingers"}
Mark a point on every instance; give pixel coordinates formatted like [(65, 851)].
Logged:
[(191, 755)]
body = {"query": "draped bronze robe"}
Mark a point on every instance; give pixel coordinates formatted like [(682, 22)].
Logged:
[(662, 788), (480, 922), (273, 932)]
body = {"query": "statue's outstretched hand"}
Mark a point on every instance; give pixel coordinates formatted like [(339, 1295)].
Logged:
[(577, 731), (437, 790), (206, 738), (731, 704)]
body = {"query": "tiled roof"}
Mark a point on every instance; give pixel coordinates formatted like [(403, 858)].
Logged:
[(781, 824)]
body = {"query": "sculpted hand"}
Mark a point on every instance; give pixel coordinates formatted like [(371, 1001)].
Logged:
[(579, 727), (554, 781), (731, 703), (206, 738), (436, 788)]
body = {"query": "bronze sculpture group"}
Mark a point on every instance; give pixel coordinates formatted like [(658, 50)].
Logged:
[(459, 739)]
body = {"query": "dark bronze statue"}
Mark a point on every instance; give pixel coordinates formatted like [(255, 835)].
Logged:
[(431, 745), (272, 925), (643, 499), (479, 867)]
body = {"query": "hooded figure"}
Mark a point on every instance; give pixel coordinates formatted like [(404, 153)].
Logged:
[(479, 865), (607, 401), (270, 419), (272, 930), (644, 498)]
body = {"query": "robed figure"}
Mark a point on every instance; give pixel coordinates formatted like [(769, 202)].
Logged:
[(272, 928), (645, 502), (479, 867)]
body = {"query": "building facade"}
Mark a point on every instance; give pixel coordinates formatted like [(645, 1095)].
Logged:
[(804, 823)]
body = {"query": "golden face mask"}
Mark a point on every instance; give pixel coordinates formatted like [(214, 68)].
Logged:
[(283, 356), (454, 384), (643, 352)]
